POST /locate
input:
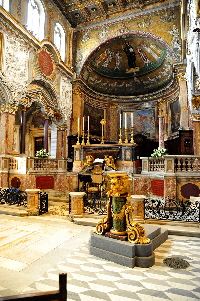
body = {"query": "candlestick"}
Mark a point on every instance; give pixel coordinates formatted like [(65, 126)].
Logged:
[(88, 136), (78, 143), (126, 136), (132, 135), (120, 136), (103, 122), (131, 119), (120, 121), (78, 124), (83, 134), (125, 121)]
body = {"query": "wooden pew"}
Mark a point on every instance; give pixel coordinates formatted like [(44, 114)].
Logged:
[(58, 295)]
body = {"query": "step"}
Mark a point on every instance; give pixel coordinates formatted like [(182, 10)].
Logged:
[(13, 210)]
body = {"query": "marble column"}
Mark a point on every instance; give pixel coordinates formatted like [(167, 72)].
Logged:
[(7, 124), (23, 131), (161, 131), (61, 145), (46, 142), (183, 98), (77, 110)]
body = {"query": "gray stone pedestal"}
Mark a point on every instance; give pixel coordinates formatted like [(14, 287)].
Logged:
[(127, 253)]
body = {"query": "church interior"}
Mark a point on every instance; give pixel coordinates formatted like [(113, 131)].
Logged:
[(91, 88), (100, 104)]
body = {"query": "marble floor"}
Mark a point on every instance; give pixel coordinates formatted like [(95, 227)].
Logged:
[(34, 250)]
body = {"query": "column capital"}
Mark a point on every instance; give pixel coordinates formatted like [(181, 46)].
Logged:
[(62, 127)]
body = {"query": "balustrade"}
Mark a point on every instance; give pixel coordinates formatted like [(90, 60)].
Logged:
[(172, 164), (44, 165)]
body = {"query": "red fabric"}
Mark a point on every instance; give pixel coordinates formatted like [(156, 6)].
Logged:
[(45, 182), (157, 187)]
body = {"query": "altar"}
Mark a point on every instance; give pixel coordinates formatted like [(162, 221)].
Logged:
[(123, 155)]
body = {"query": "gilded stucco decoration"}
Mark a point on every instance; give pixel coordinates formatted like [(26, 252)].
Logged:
[(196, 101), (47, 97), (8, 108)]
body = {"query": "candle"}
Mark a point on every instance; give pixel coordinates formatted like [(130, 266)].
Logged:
[(78, 124), (132, 120), (120, 121), (125, 121), (88, 122), (83, 124)]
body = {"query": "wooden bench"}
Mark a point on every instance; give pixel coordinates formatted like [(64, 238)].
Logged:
[(58, 295)]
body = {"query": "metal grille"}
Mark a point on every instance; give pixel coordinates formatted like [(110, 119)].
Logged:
[(43, 203), (171, 209)]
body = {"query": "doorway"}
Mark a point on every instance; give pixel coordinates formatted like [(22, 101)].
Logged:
[(39, 143)]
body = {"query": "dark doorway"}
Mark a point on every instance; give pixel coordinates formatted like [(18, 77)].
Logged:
[(39, 143)]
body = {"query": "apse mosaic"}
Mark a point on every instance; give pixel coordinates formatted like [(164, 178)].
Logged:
[(132, 64)]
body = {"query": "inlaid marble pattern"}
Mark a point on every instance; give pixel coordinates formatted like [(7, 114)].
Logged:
[(34, 250)]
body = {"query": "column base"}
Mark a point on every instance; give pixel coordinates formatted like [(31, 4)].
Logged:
[(121, 233)]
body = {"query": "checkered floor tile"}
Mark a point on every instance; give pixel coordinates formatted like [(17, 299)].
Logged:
[(93, 279)]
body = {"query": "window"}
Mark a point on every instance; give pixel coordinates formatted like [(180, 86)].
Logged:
[(36, 18), (5, 4), (59, 39)]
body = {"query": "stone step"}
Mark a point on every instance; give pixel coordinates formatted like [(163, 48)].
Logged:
[(13, 210)]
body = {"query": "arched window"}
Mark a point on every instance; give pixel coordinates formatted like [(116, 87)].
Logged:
[(36, 18), (59, 39), (5, 4)]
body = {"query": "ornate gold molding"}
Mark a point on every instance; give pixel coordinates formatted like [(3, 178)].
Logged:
[(161, 101), (181, 76), (196, 117), (8, 108), (77, 91), (196, 101)]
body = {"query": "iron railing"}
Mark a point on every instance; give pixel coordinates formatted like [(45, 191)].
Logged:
[(171, 209), (43, 203), (14, 196)]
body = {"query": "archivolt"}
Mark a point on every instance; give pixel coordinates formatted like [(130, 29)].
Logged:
[(45, 94)]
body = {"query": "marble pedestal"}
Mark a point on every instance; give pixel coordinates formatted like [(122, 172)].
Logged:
[(77, 203), (127, 253)]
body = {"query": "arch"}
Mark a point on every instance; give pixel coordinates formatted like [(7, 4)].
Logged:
[(106, 69), (42, 92), (127, 35)]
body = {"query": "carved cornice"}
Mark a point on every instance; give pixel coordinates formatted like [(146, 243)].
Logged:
[(61, 127), (196, 101)]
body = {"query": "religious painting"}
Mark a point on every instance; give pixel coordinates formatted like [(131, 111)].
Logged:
[(175, 116), (95, 117), (142, 121)]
